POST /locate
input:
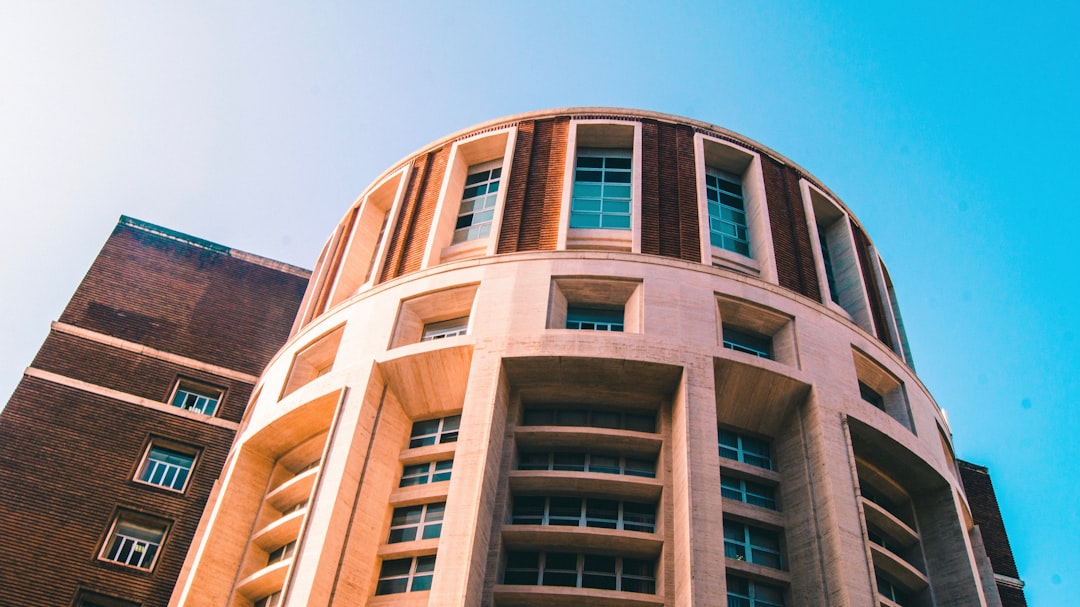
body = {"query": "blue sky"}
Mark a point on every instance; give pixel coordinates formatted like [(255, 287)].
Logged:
[(949, 129)]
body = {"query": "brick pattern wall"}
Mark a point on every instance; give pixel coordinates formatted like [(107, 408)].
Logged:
[(132, 373), (877, 306), (987, 515), (669, 204), (790, 230), (172, 296), (414, 222), (534, 195), (67, 460)]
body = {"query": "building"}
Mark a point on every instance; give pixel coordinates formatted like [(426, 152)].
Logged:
[(595, 356), (115, 437)]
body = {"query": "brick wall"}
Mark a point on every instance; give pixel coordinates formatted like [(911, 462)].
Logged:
[(669, 204), (790, 231), (534, 196), (987, 515)]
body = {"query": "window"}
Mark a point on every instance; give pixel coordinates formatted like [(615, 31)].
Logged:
[(742, 592), (86, 598), (406, 575), (871, 396), (197, 397), (601, 195), (591, 319), (281, 553), (748, 492), (135, 540), (746, 342), (444, 329), (580, 512), (590, 418), (166, 468), (752, 544), (477, 203), (427, 472), (434, 431), (727, 212), (753, 451), (425, 519), (587, 462), (314, 361), (826, 259), (571, 570), (890, 590), (270, 600)]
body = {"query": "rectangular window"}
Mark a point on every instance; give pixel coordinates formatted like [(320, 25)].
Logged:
[(281, 553), (581, 512), (638, 422), (753, 451), (590, 319), (890, 590), (747, 342), (270, 600), (871, 396), (587, 462), (166, 468), (826, 259), (444, 329), (434, 431), (742, 592), (602, 185), (416, 522), (135, 540), (727, 212), (752, 544), (406, 575), (748, 492), (427, 472), (477, 203), (197, 397), (570, 570)]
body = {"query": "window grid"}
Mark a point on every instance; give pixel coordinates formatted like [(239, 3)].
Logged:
[(281, 553), (602, 186), (727, 212), (590, 319), (166, 468), (752, 544), (406, 575), (427, 472), (134, 544), (571, 570), (587, 462), (590, 418), (747, 343), (434, 431), (744, 449), (748, 492), (477, 204), (582, 512), (742, 592), (406, 522), (444, 329), (196, 398)]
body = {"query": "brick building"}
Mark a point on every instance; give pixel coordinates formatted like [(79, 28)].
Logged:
[(113, 440), (595, 356), (589, 355)]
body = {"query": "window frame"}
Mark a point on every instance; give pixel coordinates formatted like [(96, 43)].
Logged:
[(748, 342), (750, 598), (145, 470), (581, 573), (436, 471), (446, 431), (589, 463), (606, 156), (421, 569), (590, 415), (755, 553), (119, 548), (613, 320), (718, 175), (199, 389), (489, 195), (426, 520), (546, 517), (740, 451), (748, 492)]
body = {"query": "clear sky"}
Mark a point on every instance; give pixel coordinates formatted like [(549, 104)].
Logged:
[(949, 128)]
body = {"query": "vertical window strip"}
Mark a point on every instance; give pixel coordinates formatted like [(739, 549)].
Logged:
[(477, 205), (602, 189), (727, 212)]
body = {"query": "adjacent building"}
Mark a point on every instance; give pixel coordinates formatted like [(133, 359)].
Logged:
[(604, 357), (117, 433)]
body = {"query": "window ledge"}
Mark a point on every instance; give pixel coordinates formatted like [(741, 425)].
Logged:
[(730, 260), (464, 250), (599, 238)]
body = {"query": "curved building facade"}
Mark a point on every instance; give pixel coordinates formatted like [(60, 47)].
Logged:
[(593, 356)]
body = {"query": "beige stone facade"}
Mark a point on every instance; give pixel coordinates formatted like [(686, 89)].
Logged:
[(446, 426)]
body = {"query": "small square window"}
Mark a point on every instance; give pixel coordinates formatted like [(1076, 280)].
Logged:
[(135, 540), (197, 397), (747, 342), (434, 431), (427, 472), (422, 522), (86, 598), (168, 468), (406, 575), (592, 319)]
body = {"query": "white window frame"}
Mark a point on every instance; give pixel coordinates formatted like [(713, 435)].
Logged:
[(196, 396), (150, 467), (750, 550), (427, 524), (584, 519), (445, 328), (740, 451), (123, 547), (421, 568), (446, 431), (441, 469)]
